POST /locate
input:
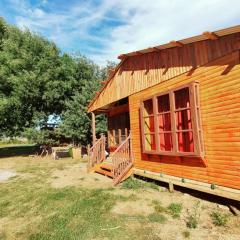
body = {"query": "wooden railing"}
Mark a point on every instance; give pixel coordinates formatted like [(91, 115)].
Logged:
[(122, 160), (97, 153)]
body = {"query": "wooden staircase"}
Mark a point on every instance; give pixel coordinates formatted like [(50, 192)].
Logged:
[(104, 169), (118, 166)]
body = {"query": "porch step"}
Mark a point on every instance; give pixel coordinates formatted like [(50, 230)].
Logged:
[(104, 169)]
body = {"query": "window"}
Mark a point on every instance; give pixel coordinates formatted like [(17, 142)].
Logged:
[(148, 125), (171, 123)]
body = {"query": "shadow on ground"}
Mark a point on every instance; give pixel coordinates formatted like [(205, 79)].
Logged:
[(21, 150)]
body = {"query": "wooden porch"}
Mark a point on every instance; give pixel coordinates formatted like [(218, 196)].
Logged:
[(112, 155)]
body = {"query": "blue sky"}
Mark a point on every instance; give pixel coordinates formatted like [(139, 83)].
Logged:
[(104, 29)]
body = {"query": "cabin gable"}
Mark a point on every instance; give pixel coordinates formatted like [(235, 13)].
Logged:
[(141, 71)]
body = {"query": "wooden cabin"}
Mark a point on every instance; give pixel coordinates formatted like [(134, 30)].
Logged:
[(174, 114)]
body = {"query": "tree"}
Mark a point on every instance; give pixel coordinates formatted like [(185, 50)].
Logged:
[(76, 122), (38, 81)]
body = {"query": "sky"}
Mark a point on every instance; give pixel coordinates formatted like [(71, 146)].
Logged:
[(103, 29)]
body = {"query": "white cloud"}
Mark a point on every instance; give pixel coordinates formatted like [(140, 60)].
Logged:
[(146, 23)]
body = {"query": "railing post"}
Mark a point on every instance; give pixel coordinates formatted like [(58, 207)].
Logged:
[(93, 128), (89, 158)]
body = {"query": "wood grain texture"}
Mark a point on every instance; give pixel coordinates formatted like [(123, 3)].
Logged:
[(219, 87), (140, 72)]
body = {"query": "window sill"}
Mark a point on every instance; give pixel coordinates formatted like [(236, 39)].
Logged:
[(176, 154)]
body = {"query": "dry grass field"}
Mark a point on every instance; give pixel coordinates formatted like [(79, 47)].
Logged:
[(54, 200)]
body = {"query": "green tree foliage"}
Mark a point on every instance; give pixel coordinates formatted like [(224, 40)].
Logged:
[(76, 121), (37, 81)]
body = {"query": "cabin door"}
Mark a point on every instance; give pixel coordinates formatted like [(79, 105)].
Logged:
[(118, 130)]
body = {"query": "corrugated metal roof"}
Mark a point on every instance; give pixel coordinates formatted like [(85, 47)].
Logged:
[(171, 44)]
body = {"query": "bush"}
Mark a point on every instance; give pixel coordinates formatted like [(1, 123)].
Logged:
[(175, 209), (219, 219)]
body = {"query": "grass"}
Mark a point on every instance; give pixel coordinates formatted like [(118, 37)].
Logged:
[(158, 207), (192, 221), (68, 213), (31, 209), (193, 218), (219, 219), (36, 211), (159, 218), (136, 184), (175, 209)]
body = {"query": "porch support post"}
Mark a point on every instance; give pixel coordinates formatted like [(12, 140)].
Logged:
[(93, 128)]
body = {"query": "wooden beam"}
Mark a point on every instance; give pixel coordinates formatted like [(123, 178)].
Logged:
[(120, 135), (176, 43), (210, 35), (93, 128), (171, 187), (230, 193)]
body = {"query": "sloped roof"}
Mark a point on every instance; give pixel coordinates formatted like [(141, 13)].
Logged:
[(159, 48), (202, 37)]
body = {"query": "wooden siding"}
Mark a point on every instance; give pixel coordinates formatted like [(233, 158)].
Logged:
[(219, 83), (137, 73)]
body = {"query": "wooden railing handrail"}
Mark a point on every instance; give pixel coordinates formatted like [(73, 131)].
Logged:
[(96, 153), (98, 140), (122, 160), (120, 146)]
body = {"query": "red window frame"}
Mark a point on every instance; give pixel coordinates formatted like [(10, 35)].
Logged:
[(175, 128)]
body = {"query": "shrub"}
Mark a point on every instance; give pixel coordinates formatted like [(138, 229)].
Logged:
[(175, 209), (219, 219)]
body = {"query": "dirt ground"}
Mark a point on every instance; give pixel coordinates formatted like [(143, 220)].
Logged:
[(76, 175), (136, 206)]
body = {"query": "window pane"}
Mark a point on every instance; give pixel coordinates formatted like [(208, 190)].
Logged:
[(150, 143), (147, 107), (182, 98), (148, 124), (183, 119), (185, 142), (166, 142), (164, 122), (163, 103)]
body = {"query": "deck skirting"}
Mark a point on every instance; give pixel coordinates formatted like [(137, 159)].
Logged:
[(217, 190)]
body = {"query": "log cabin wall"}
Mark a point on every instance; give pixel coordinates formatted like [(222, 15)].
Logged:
[(136, 73), (219, 93)]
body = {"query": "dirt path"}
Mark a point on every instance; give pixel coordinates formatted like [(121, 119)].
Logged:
[(77, 175)]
